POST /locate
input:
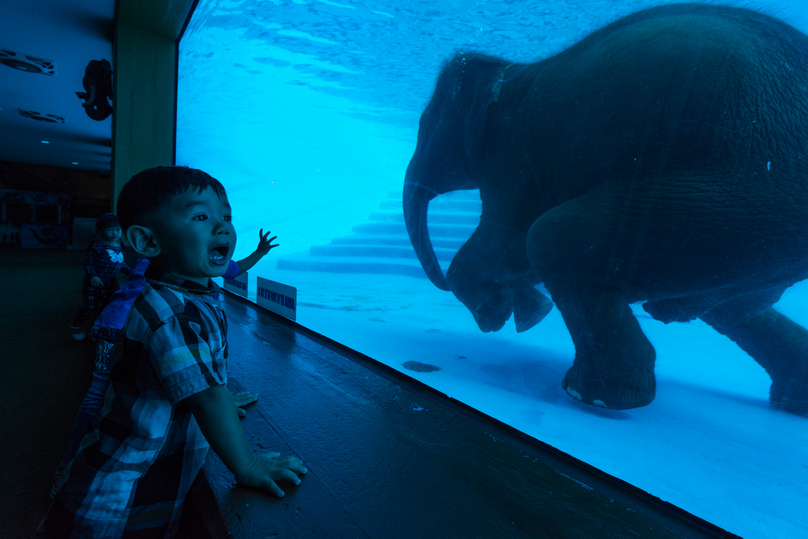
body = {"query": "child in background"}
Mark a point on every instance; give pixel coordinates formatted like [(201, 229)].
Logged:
[(102, 264), (167, 398)]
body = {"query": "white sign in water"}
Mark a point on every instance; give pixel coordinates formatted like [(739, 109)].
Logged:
[(278, 298)]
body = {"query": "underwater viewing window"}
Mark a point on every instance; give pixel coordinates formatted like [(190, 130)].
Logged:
[(447, 178)]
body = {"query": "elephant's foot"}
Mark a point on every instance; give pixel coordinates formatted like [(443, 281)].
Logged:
[(779, 345), (790, 393), (614, 388), (788, 369), (529, 308), (614, 361)]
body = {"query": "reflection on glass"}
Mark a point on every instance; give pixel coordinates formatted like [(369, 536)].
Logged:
[(653, 173)]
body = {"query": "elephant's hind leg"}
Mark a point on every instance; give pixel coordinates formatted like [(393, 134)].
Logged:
[(778, 344)]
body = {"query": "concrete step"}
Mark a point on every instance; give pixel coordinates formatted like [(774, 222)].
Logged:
[(437, 218), (372, 239), (381, 245), (438, 204), (376, 251), (330, 264), (436, 231), (468, 194)]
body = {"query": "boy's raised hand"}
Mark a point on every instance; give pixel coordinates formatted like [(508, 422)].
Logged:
[(265, 469), (264, 244)]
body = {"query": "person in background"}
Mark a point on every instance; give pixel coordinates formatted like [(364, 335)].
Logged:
[(102, 264), (167, 398), (106, 330)]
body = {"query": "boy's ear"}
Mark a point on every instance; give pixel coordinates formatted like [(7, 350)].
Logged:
[(142, 240)]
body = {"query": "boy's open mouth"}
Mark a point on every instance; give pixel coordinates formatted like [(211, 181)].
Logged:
[(219, 253)]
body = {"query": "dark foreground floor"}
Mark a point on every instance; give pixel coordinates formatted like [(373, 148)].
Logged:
[(387, 457)]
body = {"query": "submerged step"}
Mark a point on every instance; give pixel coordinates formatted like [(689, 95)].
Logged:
[(435, 231), (466, 194), (469, 206), (378, 251), (440, 218), (382, 244), (401, 241), (396, 266)]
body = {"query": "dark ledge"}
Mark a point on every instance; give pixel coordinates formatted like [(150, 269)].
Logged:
[(389, 457)]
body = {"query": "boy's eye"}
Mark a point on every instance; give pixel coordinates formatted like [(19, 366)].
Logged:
[(228, 218), (200, 217)]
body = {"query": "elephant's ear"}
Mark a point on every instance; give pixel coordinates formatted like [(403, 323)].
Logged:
[(481, 81)]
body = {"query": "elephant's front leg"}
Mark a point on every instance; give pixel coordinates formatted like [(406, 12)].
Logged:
[(614, 361), (491, 276), (572, 250)]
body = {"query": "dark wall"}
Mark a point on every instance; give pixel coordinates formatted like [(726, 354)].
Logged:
[(90, 192)]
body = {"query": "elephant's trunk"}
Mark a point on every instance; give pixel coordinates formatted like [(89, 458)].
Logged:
[(416, 203)]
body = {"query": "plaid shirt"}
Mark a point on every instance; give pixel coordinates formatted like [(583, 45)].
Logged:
[(135, 467)]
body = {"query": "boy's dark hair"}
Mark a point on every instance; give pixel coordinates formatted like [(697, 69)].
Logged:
[(148, 189), (106, 221)]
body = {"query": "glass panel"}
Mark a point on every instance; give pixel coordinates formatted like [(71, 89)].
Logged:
[(653, 174)]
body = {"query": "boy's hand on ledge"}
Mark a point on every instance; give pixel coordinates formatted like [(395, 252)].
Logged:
[(243, 398), (215, 412), (265, 469)]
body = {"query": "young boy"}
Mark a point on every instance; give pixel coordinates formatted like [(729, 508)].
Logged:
[(105, 331), (167, 398), (103, 262)]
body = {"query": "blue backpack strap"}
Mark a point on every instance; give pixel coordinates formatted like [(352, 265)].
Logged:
[(109, 323), (232, 270), (114, 314)]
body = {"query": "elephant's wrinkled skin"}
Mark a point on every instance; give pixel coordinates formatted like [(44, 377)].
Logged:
[(661, 159)]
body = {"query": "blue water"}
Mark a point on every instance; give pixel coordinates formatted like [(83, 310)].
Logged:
[(308, 112)]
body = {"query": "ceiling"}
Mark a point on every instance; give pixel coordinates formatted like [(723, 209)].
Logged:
[(68, 33)]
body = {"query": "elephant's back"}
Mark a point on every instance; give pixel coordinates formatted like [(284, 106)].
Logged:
[(700, 20), (670, 90)]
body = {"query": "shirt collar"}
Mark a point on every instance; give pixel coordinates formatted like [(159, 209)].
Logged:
[(157, 277)]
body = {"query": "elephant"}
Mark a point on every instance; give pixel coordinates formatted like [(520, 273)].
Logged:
[(661, 160)]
